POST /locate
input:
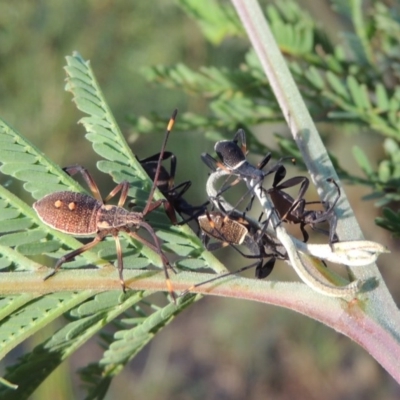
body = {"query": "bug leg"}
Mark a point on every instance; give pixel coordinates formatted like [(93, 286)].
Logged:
[(279, 176), (170, 211), (331, 180), (262, 271), (123, 187), (213, 164), (73, 254), (304, 232), (280, 173), (175, 202), (154, 205), (305, 182), (249, 191), (120, 261), (333, 237), (264, 224), (74, 169), (332, 219), (193, 211), (150, 166), (156, 248), (227, 185), (264, 161), (329, 212), (241, 135), (183, 188), (189, 289), (330, 215), (209, 160)]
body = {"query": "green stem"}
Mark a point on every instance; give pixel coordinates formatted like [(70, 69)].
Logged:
[(380, 305)]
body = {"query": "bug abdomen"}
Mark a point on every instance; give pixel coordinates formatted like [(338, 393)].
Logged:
[(69, 212), (220, 228)]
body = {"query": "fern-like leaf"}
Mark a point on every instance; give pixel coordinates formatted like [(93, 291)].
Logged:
[(216, 21), (34, 367), (125, 344), (25, 235), (108, 141), (101, 127), (22, 160)]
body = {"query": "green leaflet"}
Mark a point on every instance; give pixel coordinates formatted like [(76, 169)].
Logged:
[(108, 141), (126, 343), (34, 367), (33, 316), (92, 316), (216, 20), (22, 160), (102, 129), (27, 234)]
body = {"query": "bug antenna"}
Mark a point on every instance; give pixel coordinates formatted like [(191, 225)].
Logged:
[(157, 174)]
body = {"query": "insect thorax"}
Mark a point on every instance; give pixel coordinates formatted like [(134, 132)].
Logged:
[(110, 217), (229, 153)]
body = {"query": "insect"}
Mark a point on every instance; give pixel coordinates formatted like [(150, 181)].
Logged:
[(294, 210), (173, 194), (289, 209), (234, 230), (232, 158), (232, 227), (305, 268), (79, 214)]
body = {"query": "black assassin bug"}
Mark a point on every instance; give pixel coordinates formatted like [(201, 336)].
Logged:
[(232, 158), (79, 214), (173, 194), (294, 210), (289, 210)]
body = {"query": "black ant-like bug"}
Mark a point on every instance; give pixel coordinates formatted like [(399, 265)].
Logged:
[(173, 194), (232, 158), (294, 210), (79, 214)]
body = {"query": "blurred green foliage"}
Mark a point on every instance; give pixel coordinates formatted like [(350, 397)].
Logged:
[(355, 81), (218, 85)]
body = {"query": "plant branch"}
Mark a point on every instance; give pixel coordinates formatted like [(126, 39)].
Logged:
[(380, 305), (344, 316)]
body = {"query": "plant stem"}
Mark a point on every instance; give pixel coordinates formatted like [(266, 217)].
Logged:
[(380, 309)]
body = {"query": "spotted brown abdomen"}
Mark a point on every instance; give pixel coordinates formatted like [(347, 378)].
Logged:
[(69, 212)]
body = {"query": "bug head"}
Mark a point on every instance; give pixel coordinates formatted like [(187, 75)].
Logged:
[(230, 154)]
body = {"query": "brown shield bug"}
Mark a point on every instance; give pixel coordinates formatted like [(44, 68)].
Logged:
[(79, 214)]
